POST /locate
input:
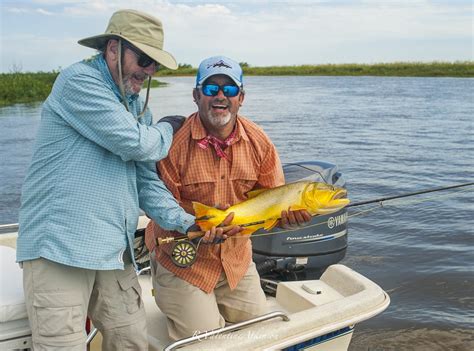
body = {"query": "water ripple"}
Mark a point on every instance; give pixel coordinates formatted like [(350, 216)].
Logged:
[(388, 136)]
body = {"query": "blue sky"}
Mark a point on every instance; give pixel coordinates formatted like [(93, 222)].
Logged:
[(41, 35)]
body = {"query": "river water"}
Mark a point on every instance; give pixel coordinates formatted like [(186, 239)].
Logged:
[(388, 136)]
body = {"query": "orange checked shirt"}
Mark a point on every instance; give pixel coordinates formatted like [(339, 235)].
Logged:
[(192, 173)]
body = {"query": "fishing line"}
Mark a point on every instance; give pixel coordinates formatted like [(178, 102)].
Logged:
[(415, 201), (309, 169), (381, 203), (410, 194)]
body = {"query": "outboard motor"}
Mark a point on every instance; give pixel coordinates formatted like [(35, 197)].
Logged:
[(303, 253)]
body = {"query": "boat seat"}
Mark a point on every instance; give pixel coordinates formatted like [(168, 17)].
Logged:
[(12, 300), (15, 332)]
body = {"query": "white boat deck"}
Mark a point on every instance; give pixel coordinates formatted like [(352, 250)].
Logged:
[(322, 312), (341, 298)]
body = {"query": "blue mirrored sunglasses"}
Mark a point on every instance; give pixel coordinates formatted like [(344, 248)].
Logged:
[(213, 90)]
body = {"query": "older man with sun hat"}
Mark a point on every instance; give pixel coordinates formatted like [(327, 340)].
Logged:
[(93, 166)]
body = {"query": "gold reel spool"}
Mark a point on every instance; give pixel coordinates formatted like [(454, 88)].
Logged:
[(183, 253)]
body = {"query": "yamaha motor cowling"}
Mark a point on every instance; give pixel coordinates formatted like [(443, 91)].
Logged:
[(303, 253)]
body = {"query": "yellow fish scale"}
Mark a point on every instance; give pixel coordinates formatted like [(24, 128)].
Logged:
[(268, 204), (265, 206)]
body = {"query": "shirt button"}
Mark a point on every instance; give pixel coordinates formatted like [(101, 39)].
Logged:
[(222, 177)]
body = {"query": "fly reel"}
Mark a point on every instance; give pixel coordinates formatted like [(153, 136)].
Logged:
[(183, 253)]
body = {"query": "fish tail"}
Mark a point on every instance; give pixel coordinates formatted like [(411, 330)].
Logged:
[(207, 216)]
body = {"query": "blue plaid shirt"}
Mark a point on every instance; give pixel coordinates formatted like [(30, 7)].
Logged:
[(93, 167)]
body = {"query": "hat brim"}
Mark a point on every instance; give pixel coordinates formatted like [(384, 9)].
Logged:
[(236, 81), (162, 57)]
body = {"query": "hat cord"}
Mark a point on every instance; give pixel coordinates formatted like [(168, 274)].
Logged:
[(122, 88), (146, 98)]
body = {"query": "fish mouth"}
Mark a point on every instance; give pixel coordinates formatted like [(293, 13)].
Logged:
[(339, 194), (332, 199), (339, 199)]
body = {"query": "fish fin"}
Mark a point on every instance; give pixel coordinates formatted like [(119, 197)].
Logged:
[(201, 210), (206, 216), (248, 231), (297, 207), (270, 223), (252, 193)]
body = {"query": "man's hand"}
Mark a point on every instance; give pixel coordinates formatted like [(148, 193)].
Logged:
[(292, 219), (218, 234), (224, 230), (175, 121)]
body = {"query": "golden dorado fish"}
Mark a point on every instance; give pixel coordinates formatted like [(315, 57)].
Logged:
[(263, 207)]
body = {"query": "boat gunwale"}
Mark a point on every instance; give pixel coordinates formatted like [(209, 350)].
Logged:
[(300, 328)]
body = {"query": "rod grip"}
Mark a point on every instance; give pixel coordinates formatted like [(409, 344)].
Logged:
[(190, 236), (199, 233)]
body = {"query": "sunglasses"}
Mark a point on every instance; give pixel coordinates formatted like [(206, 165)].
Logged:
[(213, 90), (143, 60)]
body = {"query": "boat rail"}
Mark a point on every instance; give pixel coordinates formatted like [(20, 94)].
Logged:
[(91, 336), (233, 327), (8, 228)]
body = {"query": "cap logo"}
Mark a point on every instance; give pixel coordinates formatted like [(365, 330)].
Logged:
[(220, 63)]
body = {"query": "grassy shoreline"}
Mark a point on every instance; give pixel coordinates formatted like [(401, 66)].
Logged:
[(460, 69), (32, 87), (18, 88)]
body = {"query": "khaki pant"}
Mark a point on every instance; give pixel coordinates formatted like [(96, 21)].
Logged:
[(59, 298), (190, 310)]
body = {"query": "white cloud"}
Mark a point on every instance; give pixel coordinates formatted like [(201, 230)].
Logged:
[(318, 34), (44, 12), (62, 2), (39, 53), (276, 33), (17, 10)]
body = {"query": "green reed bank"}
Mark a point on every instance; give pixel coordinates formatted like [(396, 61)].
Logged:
[(18, 87)]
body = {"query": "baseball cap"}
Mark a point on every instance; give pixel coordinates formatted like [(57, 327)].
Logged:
[(219, 65)]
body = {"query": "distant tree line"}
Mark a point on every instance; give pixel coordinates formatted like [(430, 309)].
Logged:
[(19, 87), (396, 69)]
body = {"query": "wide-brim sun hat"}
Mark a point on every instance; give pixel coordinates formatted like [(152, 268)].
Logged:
[(140, 29)]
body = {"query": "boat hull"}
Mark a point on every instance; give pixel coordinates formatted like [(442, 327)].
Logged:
[(318, 314)]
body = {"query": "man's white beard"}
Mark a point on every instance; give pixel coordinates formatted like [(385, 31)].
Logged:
[(127, 85), (219, 121)]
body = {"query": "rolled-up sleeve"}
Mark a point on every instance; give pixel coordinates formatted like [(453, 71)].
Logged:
[(157, 201), (89, 106)]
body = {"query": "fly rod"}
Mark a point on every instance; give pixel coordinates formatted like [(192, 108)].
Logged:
[(197, 234), (408, 194)]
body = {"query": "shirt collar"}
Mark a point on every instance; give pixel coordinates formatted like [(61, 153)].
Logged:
[(198, 131), (101, 64)]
